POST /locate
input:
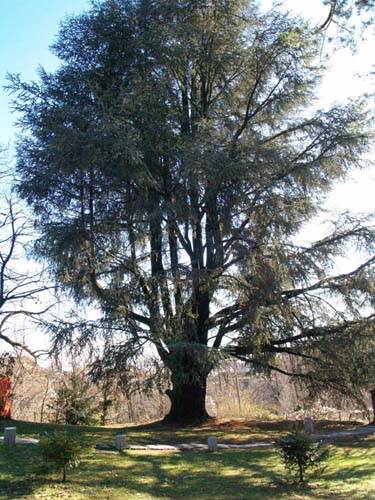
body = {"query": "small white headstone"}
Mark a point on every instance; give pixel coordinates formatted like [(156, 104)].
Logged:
[(120, 442), (10, 436), (308, 425), (212, 443)]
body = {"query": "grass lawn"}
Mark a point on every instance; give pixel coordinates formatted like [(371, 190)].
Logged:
[(242, 474)]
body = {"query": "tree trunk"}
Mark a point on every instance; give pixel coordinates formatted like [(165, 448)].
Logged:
[(372, 392), (188, 400), (104, 413), (189, 366), (300, 467)]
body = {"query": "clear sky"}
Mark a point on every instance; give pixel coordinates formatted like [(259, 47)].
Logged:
[(28, 27)]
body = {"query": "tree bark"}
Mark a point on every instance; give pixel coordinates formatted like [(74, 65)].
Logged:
[(188, 400), (300, 467), (372, 392), (189, 370)]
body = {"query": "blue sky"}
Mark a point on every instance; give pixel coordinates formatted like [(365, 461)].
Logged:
[(27, 29)]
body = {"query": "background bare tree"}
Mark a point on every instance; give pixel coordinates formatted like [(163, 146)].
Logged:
[(22, 285)]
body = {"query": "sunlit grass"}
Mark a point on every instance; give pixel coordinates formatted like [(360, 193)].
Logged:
[(242, 474), (229, 431)]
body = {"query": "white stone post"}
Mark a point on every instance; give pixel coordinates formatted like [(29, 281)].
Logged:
[(212, 443), (308, 425), (10, 436), (120, 442)]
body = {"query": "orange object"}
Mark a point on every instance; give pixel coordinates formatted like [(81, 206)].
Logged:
[(5, 393)]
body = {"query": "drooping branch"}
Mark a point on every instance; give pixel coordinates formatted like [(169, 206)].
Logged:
[(328, 20), (324, 331), (330, 282)]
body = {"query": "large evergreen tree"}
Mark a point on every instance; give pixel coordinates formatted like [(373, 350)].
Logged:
[(170, 162)]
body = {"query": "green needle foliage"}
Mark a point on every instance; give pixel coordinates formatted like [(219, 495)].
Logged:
[(170, 162), (62, 451), (300, 453), (74, 402)]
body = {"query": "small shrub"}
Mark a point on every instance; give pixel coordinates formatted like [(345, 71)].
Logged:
[(300, 452), (74, 404), (62, 451)]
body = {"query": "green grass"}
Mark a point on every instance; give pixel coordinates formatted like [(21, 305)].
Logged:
[(255, 474), (229, 431)]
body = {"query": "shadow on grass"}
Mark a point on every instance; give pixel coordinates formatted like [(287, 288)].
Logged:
[(235, 431), (221, 475), (237, 474), (241, 424), (229, 431), (17, 468), (35, 429)]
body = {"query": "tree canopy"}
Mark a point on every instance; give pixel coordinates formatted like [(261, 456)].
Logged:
[(171, 161)]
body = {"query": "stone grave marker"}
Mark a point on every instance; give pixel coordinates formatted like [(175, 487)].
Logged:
[(120, 442), (212, 443), (308, 425), (10, 436)]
